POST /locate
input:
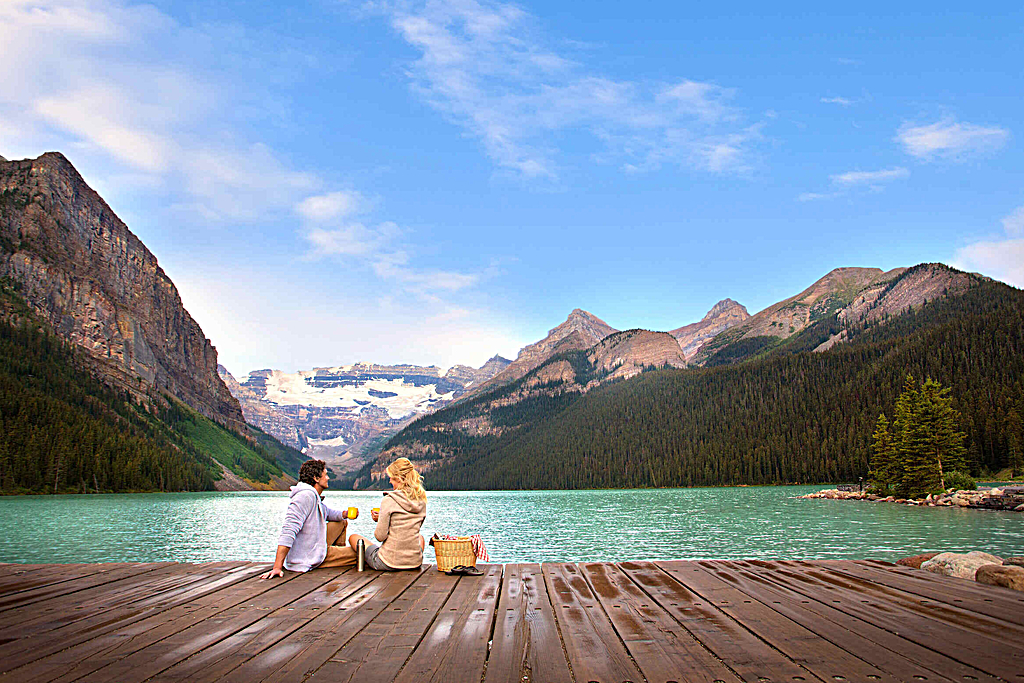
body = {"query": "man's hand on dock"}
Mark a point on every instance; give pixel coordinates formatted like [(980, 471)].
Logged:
[(272, 573)]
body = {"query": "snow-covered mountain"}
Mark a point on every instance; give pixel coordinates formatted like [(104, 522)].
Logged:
[(340, 413)]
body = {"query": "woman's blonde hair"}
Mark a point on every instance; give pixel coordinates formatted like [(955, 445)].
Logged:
[(411, 482)]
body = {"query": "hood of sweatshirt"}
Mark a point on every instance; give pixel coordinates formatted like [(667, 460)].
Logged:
[(406, 503), (303, 486)]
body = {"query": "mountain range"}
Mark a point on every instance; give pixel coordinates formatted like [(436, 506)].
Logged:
[(339, 414), (628, 405)]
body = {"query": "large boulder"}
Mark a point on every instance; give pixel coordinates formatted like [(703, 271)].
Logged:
[(1005, 575), (960, 565), (1019, 561), (915, 561)]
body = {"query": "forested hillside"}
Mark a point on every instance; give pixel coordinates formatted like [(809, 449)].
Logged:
[(787, 415), (62, 430)]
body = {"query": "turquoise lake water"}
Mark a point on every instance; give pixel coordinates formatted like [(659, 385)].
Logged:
[(517, 526)]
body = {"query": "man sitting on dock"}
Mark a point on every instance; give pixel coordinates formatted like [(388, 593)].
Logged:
[(311, 527)]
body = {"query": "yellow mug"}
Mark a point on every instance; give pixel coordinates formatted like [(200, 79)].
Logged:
[(353, 513)]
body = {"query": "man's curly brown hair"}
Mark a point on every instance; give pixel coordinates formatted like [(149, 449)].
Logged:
[(311, 471)]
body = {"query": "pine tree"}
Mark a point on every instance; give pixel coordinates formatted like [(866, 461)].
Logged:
[(883, 458)]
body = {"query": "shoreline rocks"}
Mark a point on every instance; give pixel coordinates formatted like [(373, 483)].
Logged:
[(976, 565), (1009, 498)]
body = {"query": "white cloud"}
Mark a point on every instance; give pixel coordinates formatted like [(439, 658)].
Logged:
[(837, 100), (132, 92), (948, 139), (1014, 223), (483, 65), (868, 177), (1002, 259), (815, 196), (331, 206)]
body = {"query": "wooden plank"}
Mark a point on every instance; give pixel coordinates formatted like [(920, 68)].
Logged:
[(888, 651), (151, 660), (23, 651), (93, 654), (992, 627), (920, 626), (60, 611), (995, 601), (526, 643), (662, 649), (223, 657), (822, 658), (306, 650), (746, 654), (21, 576), (68, 588), (454, 648), (594, 650)]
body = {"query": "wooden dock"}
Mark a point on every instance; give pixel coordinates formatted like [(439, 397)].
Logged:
[(715, 621)]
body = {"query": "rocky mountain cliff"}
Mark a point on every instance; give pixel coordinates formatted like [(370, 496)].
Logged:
[(83, 271), (338, 414), (723, 315), (581, 330), (840, 303)]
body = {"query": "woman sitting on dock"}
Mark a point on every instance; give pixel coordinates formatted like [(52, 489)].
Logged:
[(398, 522)]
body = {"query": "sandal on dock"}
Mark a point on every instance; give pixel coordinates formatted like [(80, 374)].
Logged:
[(463, 570)]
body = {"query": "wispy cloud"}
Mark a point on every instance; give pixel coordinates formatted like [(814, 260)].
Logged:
[(844, 183), (1000, 256), (484, 65), (130, 89), (948, 139), (837, 100), (851, 178)]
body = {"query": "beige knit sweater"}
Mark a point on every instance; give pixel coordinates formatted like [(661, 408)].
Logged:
[(398, 530)]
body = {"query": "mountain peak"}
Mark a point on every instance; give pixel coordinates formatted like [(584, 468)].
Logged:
[(723, 306)]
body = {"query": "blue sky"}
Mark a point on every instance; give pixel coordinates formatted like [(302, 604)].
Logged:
[(329, 182)]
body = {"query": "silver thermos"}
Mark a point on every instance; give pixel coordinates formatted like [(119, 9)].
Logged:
[(361, 555)]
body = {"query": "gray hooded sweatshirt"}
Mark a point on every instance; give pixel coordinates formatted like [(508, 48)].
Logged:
[(305, 528), (398, 530)]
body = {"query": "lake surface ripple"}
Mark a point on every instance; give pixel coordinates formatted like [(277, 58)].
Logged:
[(517, 526)]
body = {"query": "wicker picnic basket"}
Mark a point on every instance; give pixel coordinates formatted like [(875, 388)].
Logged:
[(453, 553)]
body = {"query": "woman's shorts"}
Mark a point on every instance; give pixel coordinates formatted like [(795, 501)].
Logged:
[(373, 560)]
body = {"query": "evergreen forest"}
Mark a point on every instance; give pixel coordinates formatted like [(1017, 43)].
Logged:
[(64, 431), (787, 415)]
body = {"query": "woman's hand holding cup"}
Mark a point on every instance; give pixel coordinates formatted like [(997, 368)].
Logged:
[(375, 513)]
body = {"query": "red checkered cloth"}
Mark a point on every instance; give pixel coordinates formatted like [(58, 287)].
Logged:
[(478, 545)]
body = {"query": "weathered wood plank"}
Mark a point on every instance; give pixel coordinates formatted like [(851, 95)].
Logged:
[(48, 589), (381, 649), (594, 650), (94, 654), (927, 625), (888, 651), (64, 610), (17, 577), (746, 654), (821, 657), (151, 660), (994, 601), (526, 642), (158, 608), (223, 657), (454, 648), (662, 649)]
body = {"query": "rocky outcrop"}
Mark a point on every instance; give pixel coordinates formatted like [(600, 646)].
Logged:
[(1010, 498), (1007, 576), (915, 561), (98, 286), (626, 354), (960, 565), (581, 330), (722, 316)]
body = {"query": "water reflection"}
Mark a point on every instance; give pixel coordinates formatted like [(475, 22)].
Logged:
[(525, 526)]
